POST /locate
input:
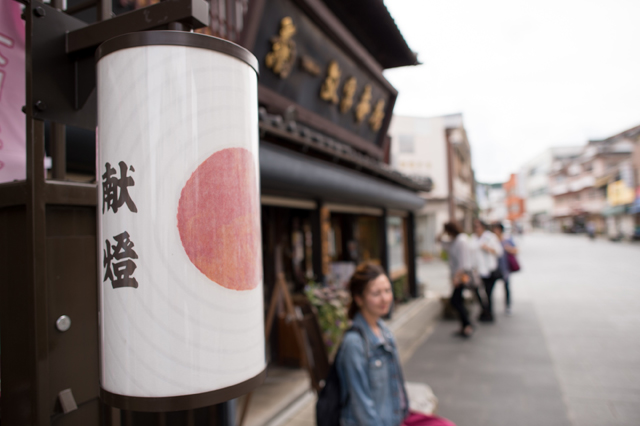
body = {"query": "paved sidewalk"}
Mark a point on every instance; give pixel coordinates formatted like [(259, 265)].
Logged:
[(569, 354), (503, 375)]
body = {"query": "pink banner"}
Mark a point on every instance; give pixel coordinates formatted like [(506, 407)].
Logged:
[(13, 155)]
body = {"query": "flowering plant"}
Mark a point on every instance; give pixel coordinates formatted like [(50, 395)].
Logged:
[(331, 306)]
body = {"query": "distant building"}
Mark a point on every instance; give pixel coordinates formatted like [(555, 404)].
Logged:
[(491, 199), (635, 208), (533, 183), (622, 181), (513, 201), (587, 188), (436, 147)]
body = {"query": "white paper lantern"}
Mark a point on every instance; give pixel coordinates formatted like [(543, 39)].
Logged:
[(181, 310)]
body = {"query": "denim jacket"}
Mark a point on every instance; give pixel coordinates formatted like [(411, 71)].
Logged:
[(372, 385)]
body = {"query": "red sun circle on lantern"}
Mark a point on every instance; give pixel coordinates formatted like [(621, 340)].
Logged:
[(219, 219)]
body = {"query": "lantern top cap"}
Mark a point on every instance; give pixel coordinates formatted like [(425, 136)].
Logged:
[(176, 38)]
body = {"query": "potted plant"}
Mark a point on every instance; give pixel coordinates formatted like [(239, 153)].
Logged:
[(331, 306)]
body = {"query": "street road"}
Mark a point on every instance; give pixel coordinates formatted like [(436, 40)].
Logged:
[(569, 354)]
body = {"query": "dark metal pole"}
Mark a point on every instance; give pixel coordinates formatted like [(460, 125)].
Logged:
[(316, 241), (178, 26), (58, 151), (411, 255), (384, 253), (451, 199), (105, 10), (384, 248), (226, 413), (58, 135)]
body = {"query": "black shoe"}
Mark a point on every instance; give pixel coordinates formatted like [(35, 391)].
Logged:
[(485, 318)]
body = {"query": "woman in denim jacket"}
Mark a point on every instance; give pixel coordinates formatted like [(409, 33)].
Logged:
[(371, 379)]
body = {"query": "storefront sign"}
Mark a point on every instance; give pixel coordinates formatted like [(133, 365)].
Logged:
[(179, 208), (283, 55), (307, 66), (13, 152), (618, 193)]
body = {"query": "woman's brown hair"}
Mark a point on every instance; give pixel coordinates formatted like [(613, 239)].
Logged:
[(453, 229), (364, 274)]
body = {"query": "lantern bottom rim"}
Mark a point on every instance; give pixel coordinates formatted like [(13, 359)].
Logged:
[(182, 402)]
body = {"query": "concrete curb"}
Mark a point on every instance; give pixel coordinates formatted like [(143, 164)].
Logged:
[(414, 325)]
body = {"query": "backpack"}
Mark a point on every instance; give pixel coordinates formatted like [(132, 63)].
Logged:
[(329, 405)]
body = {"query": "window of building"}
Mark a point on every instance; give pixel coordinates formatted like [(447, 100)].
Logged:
[(406, 144), (537, 192), (574, 169)]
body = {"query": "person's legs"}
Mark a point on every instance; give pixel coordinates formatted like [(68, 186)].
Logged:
[(457, 302), (489, 283), (507, 295), (476, 292)]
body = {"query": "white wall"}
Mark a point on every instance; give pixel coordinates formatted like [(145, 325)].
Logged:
[(429, 156)]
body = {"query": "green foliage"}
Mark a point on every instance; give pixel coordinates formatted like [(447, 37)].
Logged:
[(444, 255), (399, 286), (331, 305)]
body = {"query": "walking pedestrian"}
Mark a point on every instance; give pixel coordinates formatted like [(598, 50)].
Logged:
[(459, 257), (591, 230), (509, 247), (371, 381), (486, 249)]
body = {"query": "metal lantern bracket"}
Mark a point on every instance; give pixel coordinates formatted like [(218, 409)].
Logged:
[(63, 48)]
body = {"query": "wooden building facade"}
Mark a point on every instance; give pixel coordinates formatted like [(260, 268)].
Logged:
[(329, 198)]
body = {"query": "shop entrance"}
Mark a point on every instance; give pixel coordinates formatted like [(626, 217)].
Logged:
[(352, 239)]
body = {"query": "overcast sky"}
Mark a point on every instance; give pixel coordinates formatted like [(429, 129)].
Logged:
[(526, 74)]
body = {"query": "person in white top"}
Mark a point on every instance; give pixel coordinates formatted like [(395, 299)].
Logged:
[(459, 256), (486, 250)]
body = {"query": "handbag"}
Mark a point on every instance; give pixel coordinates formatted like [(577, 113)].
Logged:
[(419, 419), (512, 263)]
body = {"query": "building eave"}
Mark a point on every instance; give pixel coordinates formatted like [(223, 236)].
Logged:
[(307, 139), (374, 27)]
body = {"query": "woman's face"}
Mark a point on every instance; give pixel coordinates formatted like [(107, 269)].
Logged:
[(376, 298)]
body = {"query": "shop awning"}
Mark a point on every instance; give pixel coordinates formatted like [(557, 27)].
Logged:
[(285, 172), (603, 181), (614, 210)]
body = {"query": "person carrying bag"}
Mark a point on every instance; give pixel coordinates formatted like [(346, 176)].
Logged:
[(487, 250), (508, 262), (460, 268)]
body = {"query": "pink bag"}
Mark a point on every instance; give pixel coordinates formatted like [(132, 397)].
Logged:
[(419, 419), (512, 262)]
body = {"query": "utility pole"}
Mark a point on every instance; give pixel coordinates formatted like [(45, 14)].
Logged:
[(451, 196)]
